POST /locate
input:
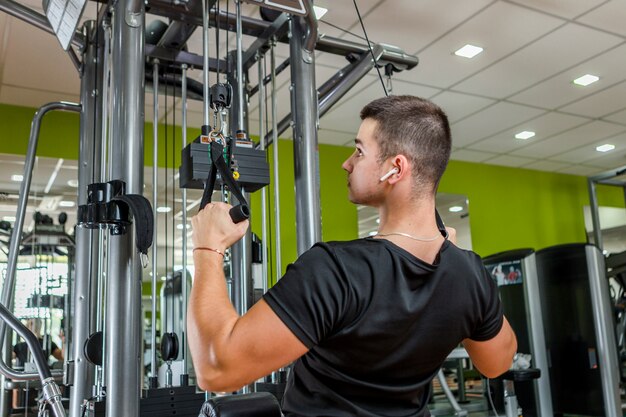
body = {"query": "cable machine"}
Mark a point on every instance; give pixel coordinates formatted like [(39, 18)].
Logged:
[(116, 222)]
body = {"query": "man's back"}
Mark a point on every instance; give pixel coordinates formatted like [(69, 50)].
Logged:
[(379, 323)]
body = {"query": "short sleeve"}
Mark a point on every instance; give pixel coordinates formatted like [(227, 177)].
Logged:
[(492, 316), (312, 295)]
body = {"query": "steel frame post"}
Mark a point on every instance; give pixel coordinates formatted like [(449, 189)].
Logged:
[(305, 123), (123, 353), (87, 241)]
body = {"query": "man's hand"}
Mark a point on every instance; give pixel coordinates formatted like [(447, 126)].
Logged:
[(213, 227)]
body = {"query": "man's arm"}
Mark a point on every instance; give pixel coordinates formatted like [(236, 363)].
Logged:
[(230, 351), (493, 357)]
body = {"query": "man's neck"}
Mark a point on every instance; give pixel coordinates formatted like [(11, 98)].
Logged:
[(416, 217)]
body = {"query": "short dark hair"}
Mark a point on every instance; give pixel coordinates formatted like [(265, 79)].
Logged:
[(414, 127)]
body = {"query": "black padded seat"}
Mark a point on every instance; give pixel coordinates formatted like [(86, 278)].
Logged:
[(258, 404)]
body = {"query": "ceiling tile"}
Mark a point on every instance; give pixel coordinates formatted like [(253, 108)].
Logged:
[(331, 137), (344, 116), (459, 105), (601, 103), (567, 9), (609, 17), (559, 90), (579, 170), (25, 69), (609, 162), (588, 154), (546, 165), (515, 26), (411, 25), (619, 117), (539, 60), (510, 161), (544, 126), (470, 156), (588, 133), (490, 121), (343, 15)]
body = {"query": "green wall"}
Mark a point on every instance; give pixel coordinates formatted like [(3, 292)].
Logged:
[(509, 207), (513, 208)]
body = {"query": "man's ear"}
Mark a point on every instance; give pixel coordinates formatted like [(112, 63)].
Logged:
[(404, 168)]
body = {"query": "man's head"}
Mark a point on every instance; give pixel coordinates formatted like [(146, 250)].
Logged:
[(415, 128)]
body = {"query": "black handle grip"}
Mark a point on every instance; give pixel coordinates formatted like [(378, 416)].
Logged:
[(239, 213)]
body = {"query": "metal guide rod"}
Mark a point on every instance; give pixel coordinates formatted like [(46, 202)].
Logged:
[(205, 66), (305, 117), (278, 267), (239, 75), (262, 103), (155, 182), (85, 310), (123, 338), (104, 176), (183, 341)]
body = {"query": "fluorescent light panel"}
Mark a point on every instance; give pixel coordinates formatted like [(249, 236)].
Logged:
[(319, 11), (455, 209), (17, 177), (163, 209), (468, 51), (586, 79), (66, 203), (605, 148), (526, 134)]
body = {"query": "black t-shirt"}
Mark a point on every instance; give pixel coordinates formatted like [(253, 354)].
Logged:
[(21, 351), (379, 323)]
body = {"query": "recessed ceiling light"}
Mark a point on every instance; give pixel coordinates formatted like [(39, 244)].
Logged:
[(319, 11), (9, 218), (455, 209), (73, 183), (179, 226), (164, 209), (586, 79), (469, 51), (66, 203), (526, 134), (373, 233), (17, 177), (605, 148)]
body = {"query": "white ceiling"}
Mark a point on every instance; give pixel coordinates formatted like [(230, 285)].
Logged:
[(533, 49)]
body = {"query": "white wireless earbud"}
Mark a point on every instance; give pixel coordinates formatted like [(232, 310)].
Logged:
[(389, 174)]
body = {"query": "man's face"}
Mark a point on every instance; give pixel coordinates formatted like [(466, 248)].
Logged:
[(363, 169)]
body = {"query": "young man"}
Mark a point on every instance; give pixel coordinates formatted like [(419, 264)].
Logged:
[(368, 322)]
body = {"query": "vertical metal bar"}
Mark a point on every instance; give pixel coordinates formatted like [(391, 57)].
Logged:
[(184, 209), (155, 181), (123, 325), (305, 118), (532, 300), (261, 76), (104, 105), (605, 332), (87, 244), (205, 62), (276, 177), (239, 72), (595, 214)]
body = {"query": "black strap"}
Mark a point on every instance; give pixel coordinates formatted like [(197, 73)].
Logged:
[(237, 213), (144, 222), (440, 225)]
